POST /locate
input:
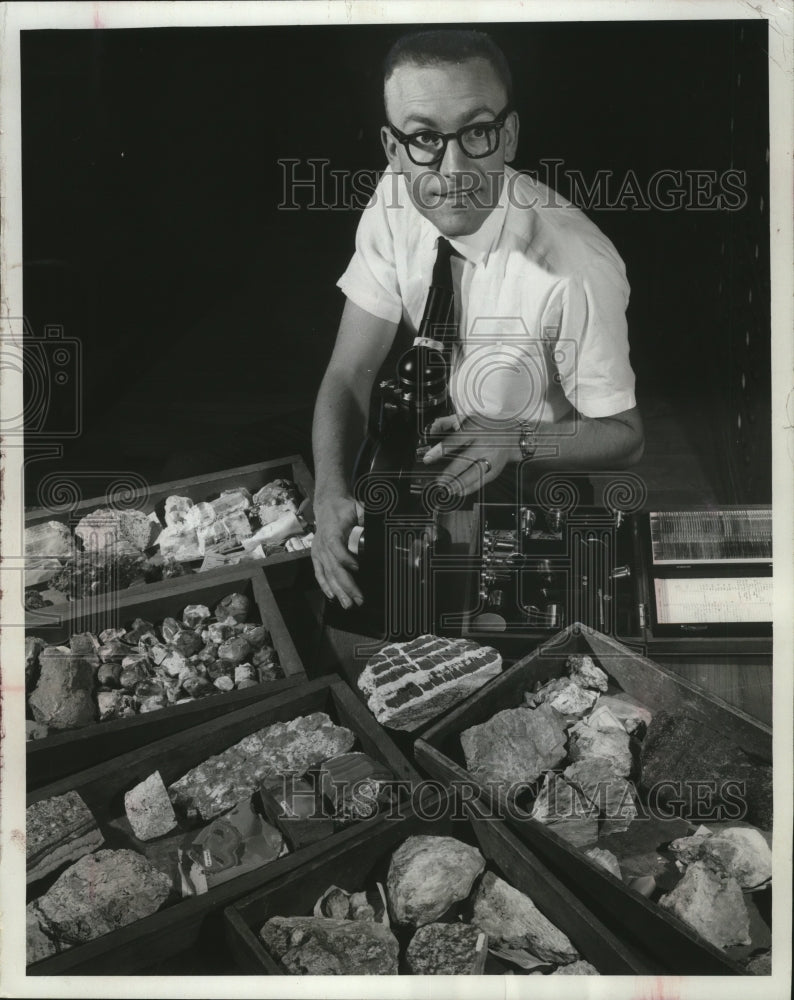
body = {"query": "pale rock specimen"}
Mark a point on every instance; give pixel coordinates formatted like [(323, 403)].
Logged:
[(511, 920), (232, 606), (33, 649), (176, 509), (98, 894), (427, 875), (149, 808), (118, 531), (584, 672), (606, 859), (515, 745), (739, 851), (565, 696), (612, 794), (580, 968), (62, 698), (613, 745), (48, 539), (195, 614), (563, 808), (628, 710), (712, 904)]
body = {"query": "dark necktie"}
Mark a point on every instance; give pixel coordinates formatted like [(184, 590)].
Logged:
[(438, 319)]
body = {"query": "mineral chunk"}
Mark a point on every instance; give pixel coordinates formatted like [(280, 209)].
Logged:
[(33, 648), (39, 944), (711, 904), (628, 710), (180, 543), (584, 672), (563, 695), (613, 795), (611, 745), (515, 745), (232, 606), (760, 965), (35, 730), (62, 698), (408, 683), (48, 539), (427, 875), (230, 501), (263, 757), (98, 894), (119, 531), (679, 750), (353, 784), (512, 921), (564, 809), (323, 946), (580, 968), (176, 509), (58, 830), (606, 859), (741, 852), (447, 950), (149, 809), (195, 614)]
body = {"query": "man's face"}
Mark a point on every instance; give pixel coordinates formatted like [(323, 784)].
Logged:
[(458, 193)]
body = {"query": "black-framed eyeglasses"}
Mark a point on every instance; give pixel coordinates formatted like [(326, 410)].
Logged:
[(427, 146)]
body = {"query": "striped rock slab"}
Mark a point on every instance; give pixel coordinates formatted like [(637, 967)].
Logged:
[(409, 683)]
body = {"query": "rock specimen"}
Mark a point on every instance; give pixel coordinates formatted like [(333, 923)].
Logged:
[(119, 531), (33, 648), (233, 606), (409, 683), (261, 758), (606, 859), (760, 965), (58, 831), (427, 875), (342, 905), (711, 904), (741, 852), (50, 539), (580, 968), (447, 950), (584, 672), (180, 543), (565, 696), (613, 795), (323, 946), (98, 894), (587, 741), (512, 921), (564, 809), (628, 710), (62, 698), (276, 499), (35, 730), (149, 809), (176, 509), (679, 750), (515, 745), (354, 784)]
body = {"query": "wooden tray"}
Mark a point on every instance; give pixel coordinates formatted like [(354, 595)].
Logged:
[(153, 498), (177, 928), (350, 868), (679, 948), (73, 750)]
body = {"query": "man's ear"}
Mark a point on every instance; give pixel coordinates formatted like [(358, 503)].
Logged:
[(511, 136), (391, 148)]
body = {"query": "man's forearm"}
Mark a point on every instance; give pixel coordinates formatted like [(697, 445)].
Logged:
[(338, 427), (581, 442)]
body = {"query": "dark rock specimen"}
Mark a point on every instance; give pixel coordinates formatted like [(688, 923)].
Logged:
[(447, 950), (324, 946)]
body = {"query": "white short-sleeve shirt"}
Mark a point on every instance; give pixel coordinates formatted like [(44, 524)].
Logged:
[(541, 302)]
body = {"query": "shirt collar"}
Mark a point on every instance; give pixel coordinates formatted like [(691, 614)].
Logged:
[(477, 246)]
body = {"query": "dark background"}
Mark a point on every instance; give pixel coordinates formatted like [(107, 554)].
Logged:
[(206, 315)]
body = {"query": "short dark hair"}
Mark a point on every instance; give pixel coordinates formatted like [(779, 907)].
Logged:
[(451, 45)]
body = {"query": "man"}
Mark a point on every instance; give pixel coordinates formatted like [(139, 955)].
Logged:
[(541, 378)]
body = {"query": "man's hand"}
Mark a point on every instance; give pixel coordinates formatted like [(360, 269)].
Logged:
[(475, 455), (335, 518)]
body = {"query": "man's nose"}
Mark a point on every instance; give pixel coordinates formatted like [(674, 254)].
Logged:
[(454, 160)]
